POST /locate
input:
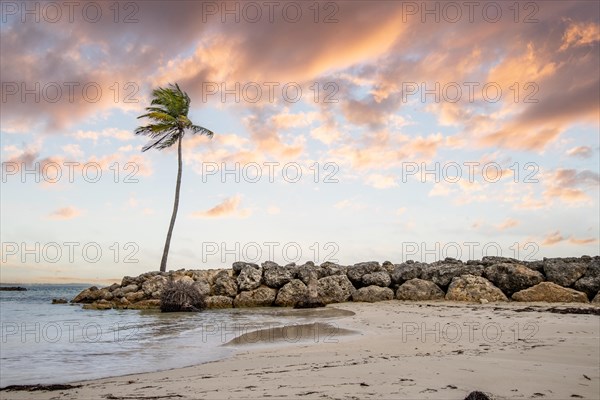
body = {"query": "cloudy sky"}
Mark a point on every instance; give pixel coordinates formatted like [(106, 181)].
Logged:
[(345, 131)]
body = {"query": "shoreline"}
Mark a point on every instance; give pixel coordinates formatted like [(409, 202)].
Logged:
[(393, 354)]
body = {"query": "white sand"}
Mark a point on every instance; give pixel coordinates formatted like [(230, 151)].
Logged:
[(395, 355)]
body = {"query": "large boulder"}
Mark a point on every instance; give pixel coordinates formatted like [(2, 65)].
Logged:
[(564, 273), (357, 271), (276, 276), (491, 260), (381, 278), (291, 293), (88, 295), (153, 286), (473, 288), (329, 268), (552, 293), (203, 287), (373, 293), (406, 271), (307, 271), (123, 291), (249, 278), (512, 277), (590, 282), (442, 273), (262, 297), (214, 302), (239, 265), (225, 286), (419, 289), (334, 289), (135, 296)]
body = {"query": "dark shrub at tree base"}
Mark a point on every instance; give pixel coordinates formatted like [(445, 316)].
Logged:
[(181, 296)]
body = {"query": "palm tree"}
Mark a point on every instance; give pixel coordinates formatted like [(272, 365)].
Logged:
[(169, 115)]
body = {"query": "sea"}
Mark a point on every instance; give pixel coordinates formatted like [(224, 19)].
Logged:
[(45, 343)]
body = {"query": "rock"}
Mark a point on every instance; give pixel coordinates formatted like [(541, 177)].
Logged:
[(563, 273), (135, 296), (419, 289), (225, 286), (552, 293), (328, 269), (371, 294), (388, 266), (149, 304), (307, 271), (589, 283), (512, 277), (105, 294), (122, 291), (405, 272), (596, 299), (153, 287), (87, 296), (249, 278), (129, 280), (381, 278), (98, 305), (491, 260), (262, 297), (477, 395), (276, 276), (291, 293), (59, 301), (335, 289), (483, 301), (239, 265), (473, 288), (218, 302), (356, 272), (442, 273), (269, 264), (183, 278), (203, 287)]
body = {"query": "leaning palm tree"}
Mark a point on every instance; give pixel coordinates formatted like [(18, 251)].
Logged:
[(169, 115)]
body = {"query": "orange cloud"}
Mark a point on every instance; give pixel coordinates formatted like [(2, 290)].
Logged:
[(553, 238), (509, 223), (227, 208), (65, 213)]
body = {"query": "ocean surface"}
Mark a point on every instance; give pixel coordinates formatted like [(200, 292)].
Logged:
[(58, 343)]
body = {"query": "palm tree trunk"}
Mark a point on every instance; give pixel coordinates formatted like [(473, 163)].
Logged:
[(163, 262)]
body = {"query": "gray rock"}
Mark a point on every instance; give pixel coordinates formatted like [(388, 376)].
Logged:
[(334, 289), (381, 278), (512, 277), (328, 269), (276, 276), (308, 270), (262, 297), (473, 288), (291, 293), (419, 290), (217, 302), (121, 292), (371, 294), (491, 260), (357, 271), (135, 296), (239, 265), (203, 287), (405, 271), (153, 286), (550, 292), (249, 278), (563, 273), (589, 283), (442, 273), (225, 286)]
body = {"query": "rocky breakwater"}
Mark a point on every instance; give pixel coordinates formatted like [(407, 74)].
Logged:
[(491, 279)]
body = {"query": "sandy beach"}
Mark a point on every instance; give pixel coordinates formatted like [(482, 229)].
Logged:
[(388, 350)]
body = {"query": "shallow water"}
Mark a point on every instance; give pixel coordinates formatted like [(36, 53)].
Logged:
[(57, 343)]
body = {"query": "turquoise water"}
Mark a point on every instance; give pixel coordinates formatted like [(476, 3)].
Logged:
[(58, 343)]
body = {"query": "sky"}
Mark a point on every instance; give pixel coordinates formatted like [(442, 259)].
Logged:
[(345, 131)]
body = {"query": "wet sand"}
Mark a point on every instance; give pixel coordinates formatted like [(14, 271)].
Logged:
[(392, 350)]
